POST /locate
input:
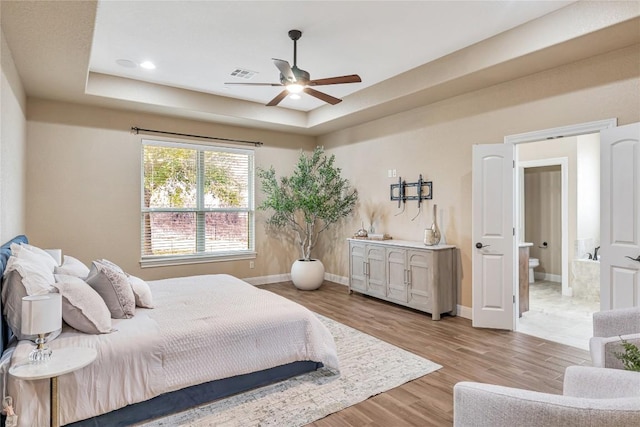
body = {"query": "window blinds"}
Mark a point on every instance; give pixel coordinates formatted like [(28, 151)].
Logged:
[(197, 200)]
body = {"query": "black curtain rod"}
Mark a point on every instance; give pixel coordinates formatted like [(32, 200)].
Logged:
[(137, 130)]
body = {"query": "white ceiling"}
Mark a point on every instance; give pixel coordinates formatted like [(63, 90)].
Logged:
[(197, 44), (408, 53)]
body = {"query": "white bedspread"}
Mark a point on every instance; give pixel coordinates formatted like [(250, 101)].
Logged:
[(202, 329)]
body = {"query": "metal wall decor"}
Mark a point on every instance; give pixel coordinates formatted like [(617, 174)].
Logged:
[(402, 191)]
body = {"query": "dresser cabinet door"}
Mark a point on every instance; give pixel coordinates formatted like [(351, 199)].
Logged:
[(357, 268), (420, 289), (397, 275), (376, 271)]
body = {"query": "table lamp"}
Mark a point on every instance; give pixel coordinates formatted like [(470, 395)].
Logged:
[(41, 314)]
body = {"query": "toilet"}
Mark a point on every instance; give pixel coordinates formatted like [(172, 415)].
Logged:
[(533, 263)]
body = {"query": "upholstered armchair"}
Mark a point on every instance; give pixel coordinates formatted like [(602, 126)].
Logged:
[(591, 397), (608, 327)]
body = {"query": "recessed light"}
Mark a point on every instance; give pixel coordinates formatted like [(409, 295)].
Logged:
[(126, 63), (148, 65)]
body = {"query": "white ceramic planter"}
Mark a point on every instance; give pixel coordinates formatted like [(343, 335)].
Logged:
[(307, 275)]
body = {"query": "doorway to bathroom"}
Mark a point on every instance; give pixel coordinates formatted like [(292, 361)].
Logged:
[(559, 222)]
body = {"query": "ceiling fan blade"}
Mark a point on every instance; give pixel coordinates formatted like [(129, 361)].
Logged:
[(285, 69), (275, 101), (352, 78), (322, 96), (255, 84)]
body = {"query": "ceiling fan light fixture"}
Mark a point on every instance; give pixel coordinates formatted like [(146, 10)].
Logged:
[(295, 88), (294, 96)]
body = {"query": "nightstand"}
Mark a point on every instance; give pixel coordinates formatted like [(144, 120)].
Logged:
[(63, 361)]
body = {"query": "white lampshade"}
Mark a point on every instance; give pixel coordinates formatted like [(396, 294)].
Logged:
[(41, 314)]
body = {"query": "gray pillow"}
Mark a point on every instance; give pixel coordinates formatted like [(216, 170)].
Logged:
[(114, 288), (12, 293), (141, 291), (82, 308), (72, 267)]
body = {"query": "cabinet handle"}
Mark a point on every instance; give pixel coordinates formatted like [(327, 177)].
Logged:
[(408, 277), (366, 268)]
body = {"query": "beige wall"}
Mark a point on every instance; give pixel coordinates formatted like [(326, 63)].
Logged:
[(550, 258), (543, 217), (80, 158), (83, 186), (13, 138), (583, 170), (436, 140)]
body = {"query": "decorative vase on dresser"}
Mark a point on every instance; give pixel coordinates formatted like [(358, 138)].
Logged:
[(405, 272), (432, 234)]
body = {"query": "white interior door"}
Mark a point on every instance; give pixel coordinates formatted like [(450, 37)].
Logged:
[(493, 236), (620, 217)]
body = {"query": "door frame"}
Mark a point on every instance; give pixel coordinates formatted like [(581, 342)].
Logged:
[(563, 162), (539, 135)]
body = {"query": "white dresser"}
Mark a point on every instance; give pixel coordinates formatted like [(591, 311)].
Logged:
[(405, 272)]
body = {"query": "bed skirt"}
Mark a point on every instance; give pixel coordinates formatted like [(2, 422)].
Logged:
[(196, 395)]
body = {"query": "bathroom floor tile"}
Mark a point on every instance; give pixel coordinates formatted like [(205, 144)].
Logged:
[(558, 318)]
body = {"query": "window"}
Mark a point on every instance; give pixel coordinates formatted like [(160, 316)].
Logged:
[(197, 203)]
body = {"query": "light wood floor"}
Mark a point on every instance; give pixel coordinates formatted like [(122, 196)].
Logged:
[(466, 354)]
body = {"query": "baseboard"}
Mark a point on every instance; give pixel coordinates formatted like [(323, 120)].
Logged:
[(265, 280), (465, 312), (334, 278), (548, 277), (276, 278)]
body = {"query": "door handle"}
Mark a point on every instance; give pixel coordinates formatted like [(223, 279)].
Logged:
[(480, 245), (634, 259)]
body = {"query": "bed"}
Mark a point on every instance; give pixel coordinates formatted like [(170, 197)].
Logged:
[(207, 337)]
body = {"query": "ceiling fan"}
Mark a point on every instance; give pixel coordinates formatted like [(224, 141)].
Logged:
[(296, 80)]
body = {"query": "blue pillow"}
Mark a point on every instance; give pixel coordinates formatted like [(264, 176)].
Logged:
[(5, 251)]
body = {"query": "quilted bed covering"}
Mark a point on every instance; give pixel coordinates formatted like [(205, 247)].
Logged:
[(202, 328)]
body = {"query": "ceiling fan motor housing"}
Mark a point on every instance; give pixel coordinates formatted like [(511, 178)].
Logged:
[(302, 76)]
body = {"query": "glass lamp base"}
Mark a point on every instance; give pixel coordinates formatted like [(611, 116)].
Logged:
[(38, 355)]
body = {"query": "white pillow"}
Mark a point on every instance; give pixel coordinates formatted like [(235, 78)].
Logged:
[(36, 273), (82, 307), (19, 249), (72, 267), (141, 291), (56, 254)]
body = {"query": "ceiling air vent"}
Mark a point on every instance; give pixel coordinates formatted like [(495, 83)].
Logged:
[(243, 74)]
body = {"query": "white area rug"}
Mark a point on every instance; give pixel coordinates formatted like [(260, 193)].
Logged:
[(368, 366)]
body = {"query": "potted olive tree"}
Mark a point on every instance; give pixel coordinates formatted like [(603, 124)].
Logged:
[(313, 198)]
